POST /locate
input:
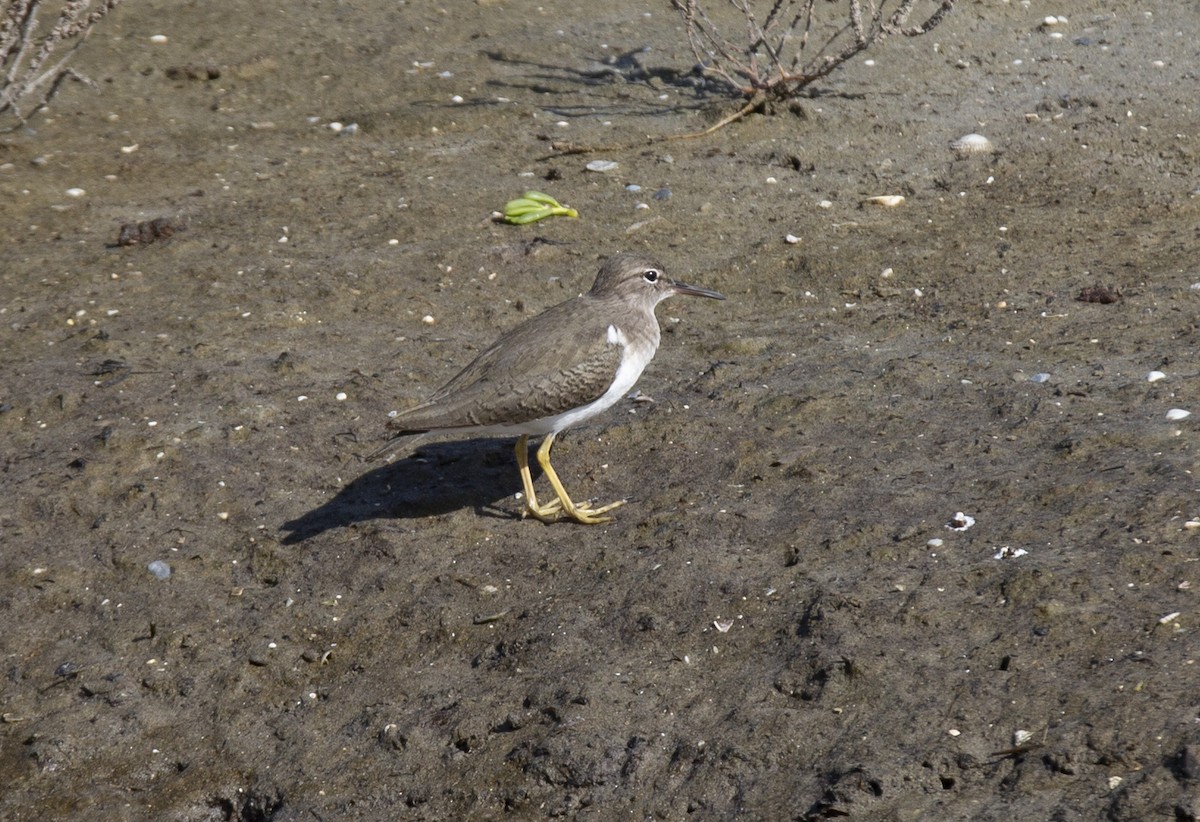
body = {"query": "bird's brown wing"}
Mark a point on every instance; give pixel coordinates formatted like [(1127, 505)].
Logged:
[(549, 365)]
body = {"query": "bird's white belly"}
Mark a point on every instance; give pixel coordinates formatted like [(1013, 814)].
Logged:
[(632, 365)]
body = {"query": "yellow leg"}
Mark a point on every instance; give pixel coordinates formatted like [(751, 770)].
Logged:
[(546, 513), (582, 512)]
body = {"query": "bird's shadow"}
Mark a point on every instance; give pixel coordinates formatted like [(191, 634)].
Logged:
[(435, 479)]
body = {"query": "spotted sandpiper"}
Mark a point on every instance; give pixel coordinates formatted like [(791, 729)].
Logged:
[(564, 366)]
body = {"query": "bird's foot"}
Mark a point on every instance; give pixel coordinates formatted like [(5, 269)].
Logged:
[(581, 512)]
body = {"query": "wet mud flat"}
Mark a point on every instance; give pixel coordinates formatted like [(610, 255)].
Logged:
[(788, 619)]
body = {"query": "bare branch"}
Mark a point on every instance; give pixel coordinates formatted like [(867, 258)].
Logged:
[(770, 58), (33, 59)]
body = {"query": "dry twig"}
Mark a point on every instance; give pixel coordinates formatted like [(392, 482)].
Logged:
[(766, 64), (768, 58), (32, 64)]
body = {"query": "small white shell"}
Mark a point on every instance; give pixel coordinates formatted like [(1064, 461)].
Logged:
[(1178, 414), (1155, 376), (601, 165), (886, 200), (960, 522), (970, 144)]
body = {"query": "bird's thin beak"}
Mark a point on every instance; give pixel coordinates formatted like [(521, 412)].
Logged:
[(695, 290)]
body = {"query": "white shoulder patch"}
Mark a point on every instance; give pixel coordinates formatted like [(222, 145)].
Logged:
[(617, 337)]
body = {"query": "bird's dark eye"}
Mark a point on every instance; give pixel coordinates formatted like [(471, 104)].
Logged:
[(650, 275)]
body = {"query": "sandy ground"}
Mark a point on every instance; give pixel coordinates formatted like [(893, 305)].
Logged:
[(780, 624)]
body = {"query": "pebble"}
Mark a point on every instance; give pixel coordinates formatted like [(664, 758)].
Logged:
[(633, 187), (1043, 377), (662, 194), (160, 569), (601, 165), (75, 192), (885, 200)]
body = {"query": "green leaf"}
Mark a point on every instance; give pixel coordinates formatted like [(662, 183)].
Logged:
[(534, 206)]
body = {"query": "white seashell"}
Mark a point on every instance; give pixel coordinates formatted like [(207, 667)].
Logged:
[(1155, 376), (960, 522), (970, 144), (885, 200), (601, 165), (75, 192), (791, 239), (1178, 414)]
